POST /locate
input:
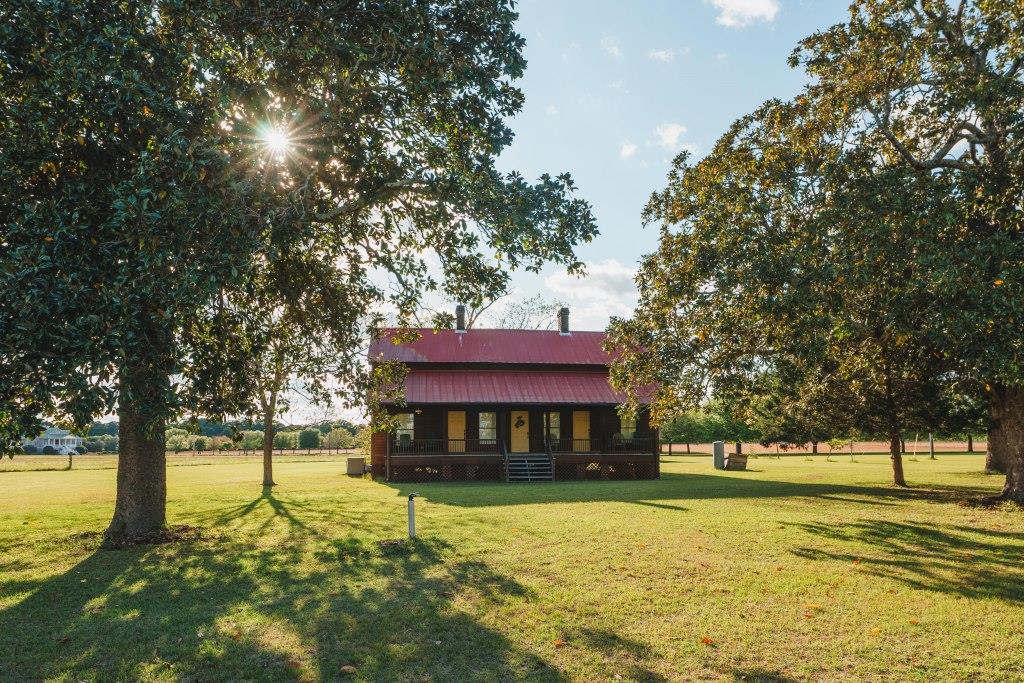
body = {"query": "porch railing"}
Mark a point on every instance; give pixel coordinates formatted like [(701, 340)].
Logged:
[(614, 444), (402, 446)]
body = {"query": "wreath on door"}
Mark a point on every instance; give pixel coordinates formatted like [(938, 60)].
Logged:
[(519, 422)]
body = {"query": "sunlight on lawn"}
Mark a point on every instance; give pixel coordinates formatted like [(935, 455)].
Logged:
[(795, 570)]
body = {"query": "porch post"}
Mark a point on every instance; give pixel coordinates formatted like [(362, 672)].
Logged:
[(655, 433)]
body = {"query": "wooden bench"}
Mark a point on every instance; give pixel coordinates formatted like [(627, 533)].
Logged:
[(735, 461)]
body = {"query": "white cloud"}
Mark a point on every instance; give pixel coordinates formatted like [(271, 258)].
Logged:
[(668, 135), (665, 56), (737, 13), (606, 290), (551, 110), (627, 150), (611, 46)]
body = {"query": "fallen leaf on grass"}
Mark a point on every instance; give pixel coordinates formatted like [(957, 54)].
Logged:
[(914, 622), (875, 631), (707, 641), (813, 606), (347, 669), (559, 642), (856, 561)]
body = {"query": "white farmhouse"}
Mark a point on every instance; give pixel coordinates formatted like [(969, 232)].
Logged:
[(61, 440)]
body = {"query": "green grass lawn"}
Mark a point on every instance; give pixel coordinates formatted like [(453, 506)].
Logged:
[(795, 570)]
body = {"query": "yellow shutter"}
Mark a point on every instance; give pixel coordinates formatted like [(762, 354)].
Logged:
[(580, 430), (456, 431)]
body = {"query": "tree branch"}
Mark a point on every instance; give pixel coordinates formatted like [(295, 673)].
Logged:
[(387, 189)]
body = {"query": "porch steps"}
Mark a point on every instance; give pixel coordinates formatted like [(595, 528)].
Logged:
[(528, 467)]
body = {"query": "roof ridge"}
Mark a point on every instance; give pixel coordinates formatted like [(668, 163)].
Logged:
[(489, 329)]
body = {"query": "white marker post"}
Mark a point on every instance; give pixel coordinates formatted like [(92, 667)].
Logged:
[(412, 515)]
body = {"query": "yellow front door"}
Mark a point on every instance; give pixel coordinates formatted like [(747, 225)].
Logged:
[(581, 430), (456, 431), (520, 431)]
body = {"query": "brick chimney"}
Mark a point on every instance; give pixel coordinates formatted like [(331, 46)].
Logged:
[(460, 318), (563, 321)]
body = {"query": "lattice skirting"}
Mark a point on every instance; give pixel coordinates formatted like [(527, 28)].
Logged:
[(617, 471), (455, 472)]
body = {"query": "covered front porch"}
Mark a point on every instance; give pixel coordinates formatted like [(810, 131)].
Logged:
[(515, 443)]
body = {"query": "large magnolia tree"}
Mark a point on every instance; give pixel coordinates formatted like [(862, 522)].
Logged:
[(937, 88), (882, 207), (776, 265), (155, 156)]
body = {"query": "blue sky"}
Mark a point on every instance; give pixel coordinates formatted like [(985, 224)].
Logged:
[(615, 89)]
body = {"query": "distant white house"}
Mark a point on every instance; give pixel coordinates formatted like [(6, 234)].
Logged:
[(61, 440)]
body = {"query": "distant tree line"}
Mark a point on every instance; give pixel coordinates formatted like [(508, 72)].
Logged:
[(209, 435), (769, 419), (178, 440)]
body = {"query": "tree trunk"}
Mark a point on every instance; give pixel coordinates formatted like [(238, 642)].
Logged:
[(895, 431), (1011, 429), (739, 448), (688, 449), (896, 455), (140, 508), (268, 442), (814, 447), (996, 457), (970, 443)]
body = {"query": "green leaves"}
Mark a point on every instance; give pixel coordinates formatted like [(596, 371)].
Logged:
[(142, 223), (845, 245)]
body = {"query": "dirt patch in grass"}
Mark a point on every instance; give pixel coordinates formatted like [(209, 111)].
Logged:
[(179, 533)]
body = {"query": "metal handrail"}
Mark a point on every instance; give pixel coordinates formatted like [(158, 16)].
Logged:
[(504, 456), (551, 455)]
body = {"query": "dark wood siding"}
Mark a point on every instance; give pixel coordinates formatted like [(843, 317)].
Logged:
[(536, 430), (431, 423), (378, 453)]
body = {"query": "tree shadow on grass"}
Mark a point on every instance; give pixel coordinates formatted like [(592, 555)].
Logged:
[(670, 487), (624, 655), (760, 676), (227, 608), (279, 507), (965, 561), (662, 506)]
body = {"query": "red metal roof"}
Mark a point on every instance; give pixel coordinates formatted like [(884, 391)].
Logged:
[(509, 387), (495, 346)]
